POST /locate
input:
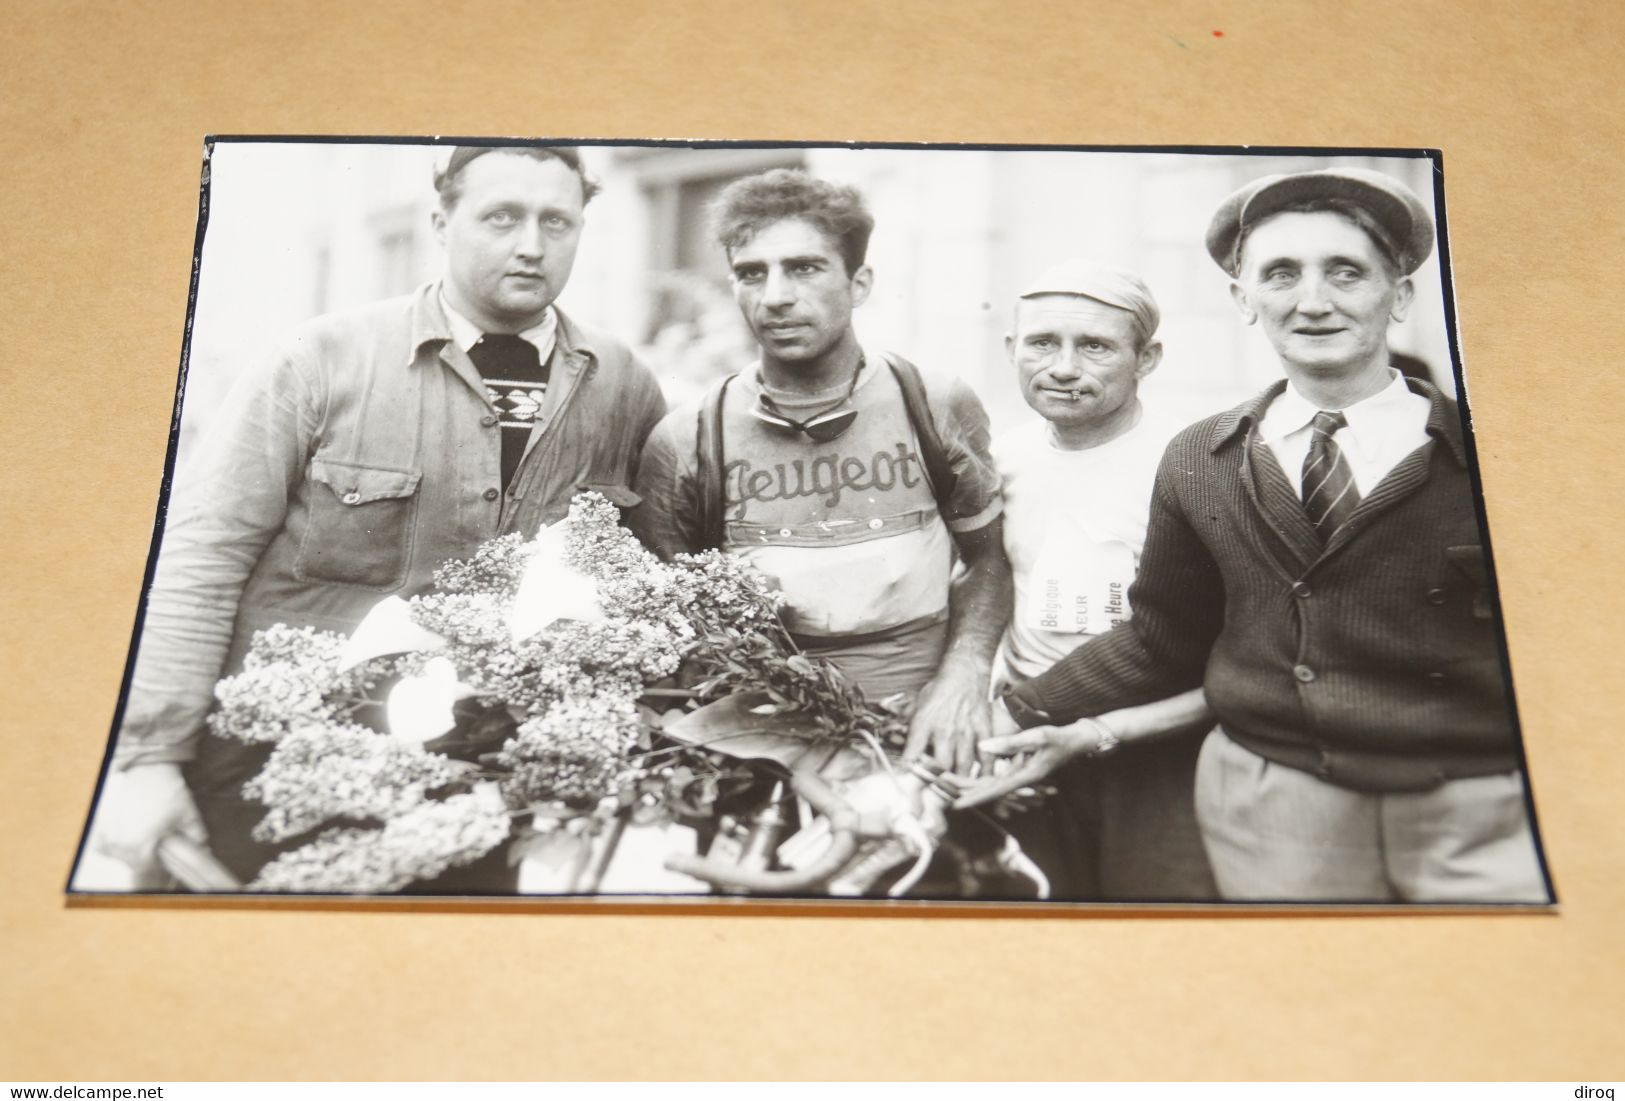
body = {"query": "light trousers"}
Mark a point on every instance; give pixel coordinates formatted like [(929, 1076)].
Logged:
[(1275, 833)]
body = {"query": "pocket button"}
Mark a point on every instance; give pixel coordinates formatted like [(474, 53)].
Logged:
[(351, 498), (491, 494), (1435, 596)]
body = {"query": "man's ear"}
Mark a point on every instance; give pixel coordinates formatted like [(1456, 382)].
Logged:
[(1010, 346), (1238, 295), (1404, 295), (1150, 356), (863, 280), (437, 219)]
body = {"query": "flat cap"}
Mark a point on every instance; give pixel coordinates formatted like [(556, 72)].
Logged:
[(449, 165), (1391, 205), (1113, 286)]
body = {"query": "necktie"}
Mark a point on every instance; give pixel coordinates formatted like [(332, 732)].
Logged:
[(516, 379), (1329, 493)]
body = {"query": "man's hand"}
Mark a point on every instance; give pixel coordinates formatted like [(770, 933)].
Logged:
[(140, 807), (1049, 747), (951, 712), (951, 716)]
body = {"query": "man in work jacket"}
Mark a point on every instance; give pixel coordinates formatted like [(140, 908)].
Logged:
[(374, 446)]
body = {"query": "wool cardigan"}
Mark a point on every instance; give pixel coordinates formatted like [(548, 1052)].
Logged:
[(1372, 662)]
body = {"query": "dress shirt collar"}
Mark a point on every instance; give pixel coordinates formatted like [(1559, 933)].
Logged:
[(1370, 420), (465, 334), (1444, 418)]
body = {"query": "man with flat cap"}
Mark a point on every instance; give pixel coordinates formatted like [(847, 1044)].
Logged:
[(373, 446), (1077, 494), (1314, 562)]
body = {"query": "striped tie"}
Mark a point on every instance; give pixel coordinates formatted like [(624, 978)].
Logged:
[(1329, 493)]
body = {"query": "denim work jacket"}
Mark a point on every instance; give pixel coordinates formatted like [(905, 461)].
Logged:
[(356, 460)]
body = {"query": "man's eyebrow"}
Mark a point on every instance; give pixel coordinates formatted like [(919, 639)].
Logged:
[(813, 259), (510, 203)]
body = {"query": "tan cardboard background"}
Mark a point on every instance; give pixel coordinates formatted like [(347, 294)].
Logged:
[(104, 107)]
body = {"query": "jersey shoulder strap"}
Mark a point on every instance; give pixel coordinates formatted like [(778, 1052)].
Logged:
[(933, 454), (709, 465)]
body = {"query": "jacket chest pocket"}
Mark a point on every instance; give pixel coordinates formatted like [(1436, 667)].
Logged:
[(360, 526)]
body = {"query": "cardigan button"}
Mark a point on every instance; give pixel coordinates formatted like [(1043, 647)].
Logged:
[(492, 494), (1300, 589), (1436, 679), (1303, 673), (1436, 596), (488, 421)]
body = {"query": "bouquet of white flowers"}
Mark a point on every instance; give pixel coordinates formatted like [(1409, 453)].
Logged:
[(543, 688)]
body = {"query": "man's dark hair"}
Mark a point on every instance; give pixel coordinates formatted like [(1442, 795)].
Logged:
[(448, 181), (1391, 251), (748, 206)]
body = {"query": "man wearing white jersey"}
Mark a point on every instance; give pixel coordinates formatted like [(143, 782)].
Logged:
[(1077, 488)]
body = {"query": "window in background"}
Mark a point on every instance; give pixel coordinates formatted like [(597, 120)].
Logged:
[(693, 333), (395, 246)]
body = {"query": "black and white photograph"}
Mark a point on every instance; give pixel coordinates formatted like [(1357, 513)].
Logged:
[(971, 524)]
